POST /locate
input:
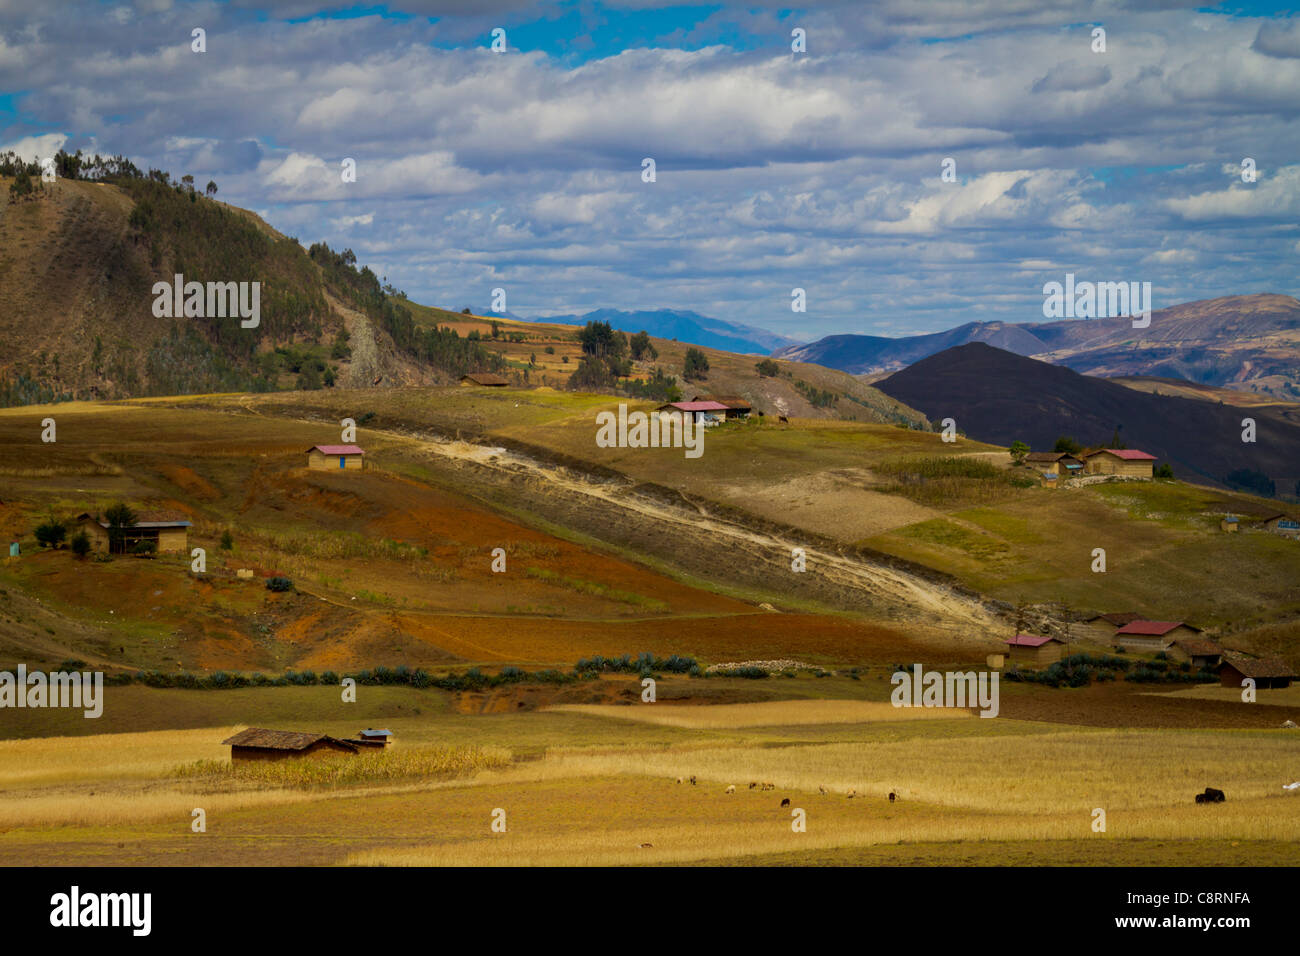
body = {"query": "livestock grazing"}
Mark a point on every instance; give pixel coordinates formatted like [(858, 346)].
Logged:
[(892, 796), (731, 789), (752, 785), (1210, 796), (822, 791), (852, 794), (644, 846), (692, 781), (783, 420), (785, 801), (679, 779)]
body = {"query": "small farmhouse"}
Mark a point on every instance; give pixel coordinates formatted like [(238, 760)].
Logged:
[(1281, 523), (484, 379), (706, 413), (165, 530), (1102, 627), (1119, 461), (1152, 635), (335, 457), (373, 739), (1033, 649), (1200, 652), (1265, 671), (1229, 523), (258, 744), (736, 406), (1059, 464)]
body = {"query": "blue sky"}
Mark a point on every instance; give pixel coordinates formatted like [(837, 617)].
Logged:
[(775, 170)]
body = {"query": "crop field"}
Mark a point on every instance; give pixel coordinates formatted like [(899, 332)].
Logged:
[(602, 791)]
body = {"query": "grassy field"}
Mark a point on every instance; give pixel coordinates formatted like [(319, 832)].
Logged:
[(591, 787)]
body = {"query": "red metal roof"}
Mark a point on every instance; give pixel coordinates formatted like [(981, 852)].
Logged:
[(1128, 454), (697, 406), (1151, 628), (337, 449), (1029, 640)]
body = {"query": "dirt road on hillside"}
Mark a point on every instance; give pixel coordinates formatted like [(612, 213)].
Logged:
[(687, 530)]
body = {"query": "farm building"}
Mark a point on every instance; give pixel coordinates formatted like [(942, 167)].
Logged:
[(258, 744), (484, 379), (1282, 523), (1265, 671), (166, 530), (1033, 649), (737, 407), (1057, 463), (1152, 635), (1102, 627), (1200, 652), (334, 457), (1119, 461), (706, 413), (1229, 523), (373, 739)]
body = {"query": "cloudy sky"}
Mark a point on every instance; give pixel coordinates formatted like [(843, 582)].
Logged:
[(774, 169)]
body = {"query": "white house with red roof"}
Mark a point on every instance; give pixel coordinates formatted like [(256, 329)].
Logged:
[(335, 458), (705, 412)]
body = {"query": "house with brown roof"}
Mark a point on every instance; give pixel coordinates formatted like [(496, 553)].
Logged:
[(1057, 463), (1279, 522), (165, 530), (484, 379), (1201, 652), (1033, 649), (256, 743), (1102, 627), (1266, 672), (335, 458), (1119, 461), (1152, 635)]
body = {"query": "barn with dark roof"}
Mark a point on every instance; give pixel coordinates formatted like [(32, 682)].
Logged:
[(256, 743)]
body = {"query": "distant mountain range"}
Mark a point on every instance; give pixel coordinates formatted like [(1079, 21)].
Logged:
[(690, 327), (1000, 397), (1242, 341)]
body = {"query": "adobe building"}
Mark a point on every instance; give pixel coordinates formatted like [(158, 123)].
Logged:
[(335, 458), (1153, 635), (166, 530), (256, 743), (1266, 672), (1119, 461), (1033, 649)]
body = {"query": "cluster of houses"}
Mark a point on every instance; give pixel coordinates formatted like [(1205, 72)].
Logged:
[(255, 743), (1055, 465), (1178, 640), (1278, 522)]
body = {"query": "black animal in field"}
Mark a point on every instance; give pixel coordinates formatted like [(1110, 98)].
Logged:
[(1210, 796), (785, 802)]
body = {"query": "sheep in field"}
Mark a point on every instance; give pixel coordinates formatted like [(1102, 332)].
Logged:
[(785, 802), (731, 789)]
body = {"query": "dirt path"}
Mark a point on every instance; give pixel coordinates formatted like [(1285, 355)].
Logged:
[(882, 586)]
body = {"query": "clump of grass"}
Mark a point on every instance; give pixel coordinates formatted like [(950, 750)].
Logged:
[(945, 479), (346, 769), (951, 466)]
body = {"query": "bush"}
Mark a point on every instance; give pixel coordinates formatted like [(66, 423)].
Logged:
[(144, 549), (767, 368), (278, 584), (80, 544), (227, 542), (51, 534)]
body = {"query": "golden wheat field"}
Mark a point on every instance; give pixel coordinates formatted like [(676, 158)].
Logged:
[(602, 797)]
